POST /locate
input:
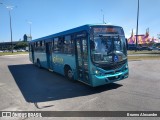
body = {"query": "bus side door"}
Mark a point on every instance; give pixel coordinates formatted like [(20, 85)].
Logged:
[(82, 59), (49, 46)]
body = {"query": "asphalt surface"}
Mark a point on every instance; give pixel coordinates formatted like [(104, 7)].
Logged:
[(23, 86)]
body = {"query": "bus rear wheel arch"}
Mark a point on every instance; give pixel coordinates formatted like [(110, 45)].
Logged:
[(68, 72)]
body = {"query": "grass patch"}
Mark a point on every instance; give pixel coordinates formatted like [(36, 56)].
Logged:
[(143, 52), (10, 53), (143, 58)]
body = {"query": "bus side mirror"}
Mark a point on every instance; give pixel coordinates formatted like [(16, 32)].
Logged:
[(126, 43)]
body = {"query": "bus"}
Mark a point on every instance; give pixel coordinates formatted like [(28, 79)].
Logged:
[(95, 54)]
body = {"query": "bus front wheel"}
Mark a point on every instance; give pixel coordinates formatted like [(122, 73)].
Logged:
[(69, 73)]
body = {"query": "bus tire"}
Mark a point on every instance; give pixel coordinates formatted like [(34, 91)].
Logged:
[(38, 63), (68, 73)]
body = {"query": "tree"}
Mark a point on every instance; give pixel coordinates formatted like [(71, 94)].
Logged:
[(21, 45)]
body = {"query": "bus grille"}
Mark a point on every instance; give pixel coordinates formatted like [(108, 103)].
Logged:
[(114, 66), (114, 78)]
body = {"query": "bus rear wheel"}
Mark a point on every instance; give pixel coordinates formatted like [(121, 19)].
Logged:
[(69, 73)]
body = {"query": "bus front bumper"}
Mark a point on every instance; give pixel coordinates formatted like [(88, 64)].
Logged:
[(109, 78)]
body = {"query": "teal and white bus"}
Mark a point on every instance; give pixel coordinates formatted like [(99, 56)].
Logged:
[(93, 54)]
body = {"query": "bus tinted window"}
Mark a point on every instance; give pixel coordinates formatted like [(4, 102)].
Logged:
[(68, 46), (56, 48)]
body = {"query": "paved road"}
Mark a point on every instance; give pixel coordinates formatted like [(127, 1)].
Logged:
[(23, 86)]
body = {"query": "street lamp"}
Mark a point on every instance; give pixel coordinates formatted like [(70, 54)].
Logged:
[(30, 25), (137, 25), (103, 17), (10, 22)]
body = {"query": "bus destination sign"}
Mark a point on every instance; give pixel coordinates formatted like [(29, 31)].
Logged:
[(108, 30)]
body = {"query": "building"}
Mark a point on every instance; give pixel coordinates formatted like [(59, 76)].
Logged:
[(7, 45), (27, 38), (142, 40)]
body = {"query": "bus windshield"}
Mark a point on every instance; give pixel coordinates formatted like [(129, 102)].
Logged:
[(108, 49)]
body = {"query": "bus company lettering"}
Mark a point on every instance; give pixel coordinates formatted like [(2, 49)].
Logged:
[(58, 60)]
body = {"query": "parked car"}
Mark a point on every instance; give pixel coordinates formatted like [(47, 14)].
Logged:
[(146, 48), (1, 51), (133, 47), (6, 51), (14, 50), (155, 48), (21, 50)]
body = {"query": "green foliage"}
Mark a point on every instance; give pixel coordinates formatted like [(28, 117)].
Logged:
[(10, 53), (21, 45)]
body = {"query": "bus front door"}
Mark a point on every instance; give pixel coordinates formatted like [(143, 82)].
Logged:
[(49, 55), (82, 60)]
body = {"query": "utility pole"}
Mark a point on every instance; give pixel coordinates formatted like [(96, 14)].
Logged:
[(103, 17), (10, 22), (137, 27), (30, 27), (10, 19)]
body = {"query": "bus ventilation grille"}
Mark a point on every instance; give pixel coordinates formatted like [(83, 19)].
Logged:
[(114, 66), (114, 78)]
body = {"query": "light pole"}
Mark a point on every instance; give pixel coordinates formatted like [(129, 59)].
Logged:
[(30, 27), (137, 25), (10, 21), (103, 17)]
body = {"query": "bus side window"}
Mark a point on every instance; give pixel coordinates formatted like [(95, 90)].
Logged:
[(68, 45), (56, 45), (42, 48), (61, 44), (72, 47)]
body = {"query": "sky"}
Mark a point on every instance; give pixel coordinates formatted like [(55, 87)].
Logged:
[(53, 16)]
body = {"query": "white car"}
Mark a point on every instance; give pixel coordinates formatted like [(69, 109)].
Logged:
[(21, 50), (14, 50)]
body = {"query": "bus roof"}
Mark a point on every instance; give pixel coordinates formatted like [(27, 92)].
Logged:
[(77, 29)]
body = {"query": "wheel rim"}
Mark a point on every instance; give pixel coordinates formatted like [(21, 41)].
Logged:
[(70, 74)]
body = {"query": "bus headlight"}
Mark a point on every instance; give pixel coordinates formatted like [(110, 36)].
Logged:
[(97, 72), (126, 67)]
